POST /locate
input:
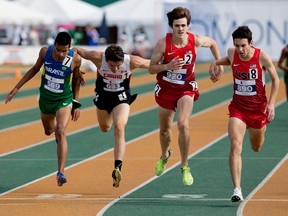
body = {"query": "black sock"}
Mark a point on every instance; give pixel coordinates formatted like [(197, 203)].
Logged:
[(118, 164)]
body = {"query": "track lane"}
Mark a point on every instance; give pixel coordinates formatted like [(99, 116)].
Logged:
[(100, 190), (63, 200), (10, 142)]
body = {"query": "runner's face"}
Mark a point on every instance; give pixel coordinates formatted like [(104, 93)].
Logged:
[(114, 66), (180, 27), (60, 52), (242, 47)]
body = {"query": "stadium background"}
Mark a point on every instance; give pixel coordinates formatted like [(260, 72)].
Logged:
[(28, 157)]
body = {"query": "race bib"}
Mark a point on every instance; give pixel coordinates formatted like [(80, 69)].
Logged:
[(67, 61), (113, 86), (157, 89), (245, 87), (175, 76), (53, 84)]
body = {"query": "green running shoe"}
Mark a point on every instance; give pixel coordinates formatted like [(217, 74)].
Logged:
[(187, 177), (161, 164)]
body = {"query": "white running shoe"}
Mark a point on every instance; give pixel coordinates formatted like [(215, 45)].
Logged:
[(237, 195)]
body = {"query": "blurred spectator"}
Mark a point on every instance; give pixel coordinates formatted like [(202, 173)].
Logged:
[(142, 46), (33, 36), (140, 31), (44, 33), (92, 36), (77, 35), (16, 31), (50, 39), (125, 43), (4, 36), (24, 37)]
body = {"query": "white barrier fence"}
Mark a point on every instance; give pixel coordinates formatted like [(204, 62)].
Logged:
[(27, 55)]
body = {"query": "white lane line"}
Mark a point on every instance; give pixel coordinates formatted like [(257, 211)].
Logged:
[(248, 198)]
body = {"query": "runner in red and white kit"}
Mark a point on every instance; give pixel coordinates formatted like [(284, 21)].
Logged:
[(249, 107), (173, 60), (113, 95)]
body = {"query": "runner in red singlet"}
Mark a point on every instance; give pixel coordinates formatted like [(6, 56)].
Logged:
[(173, 60), (249, 107)]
